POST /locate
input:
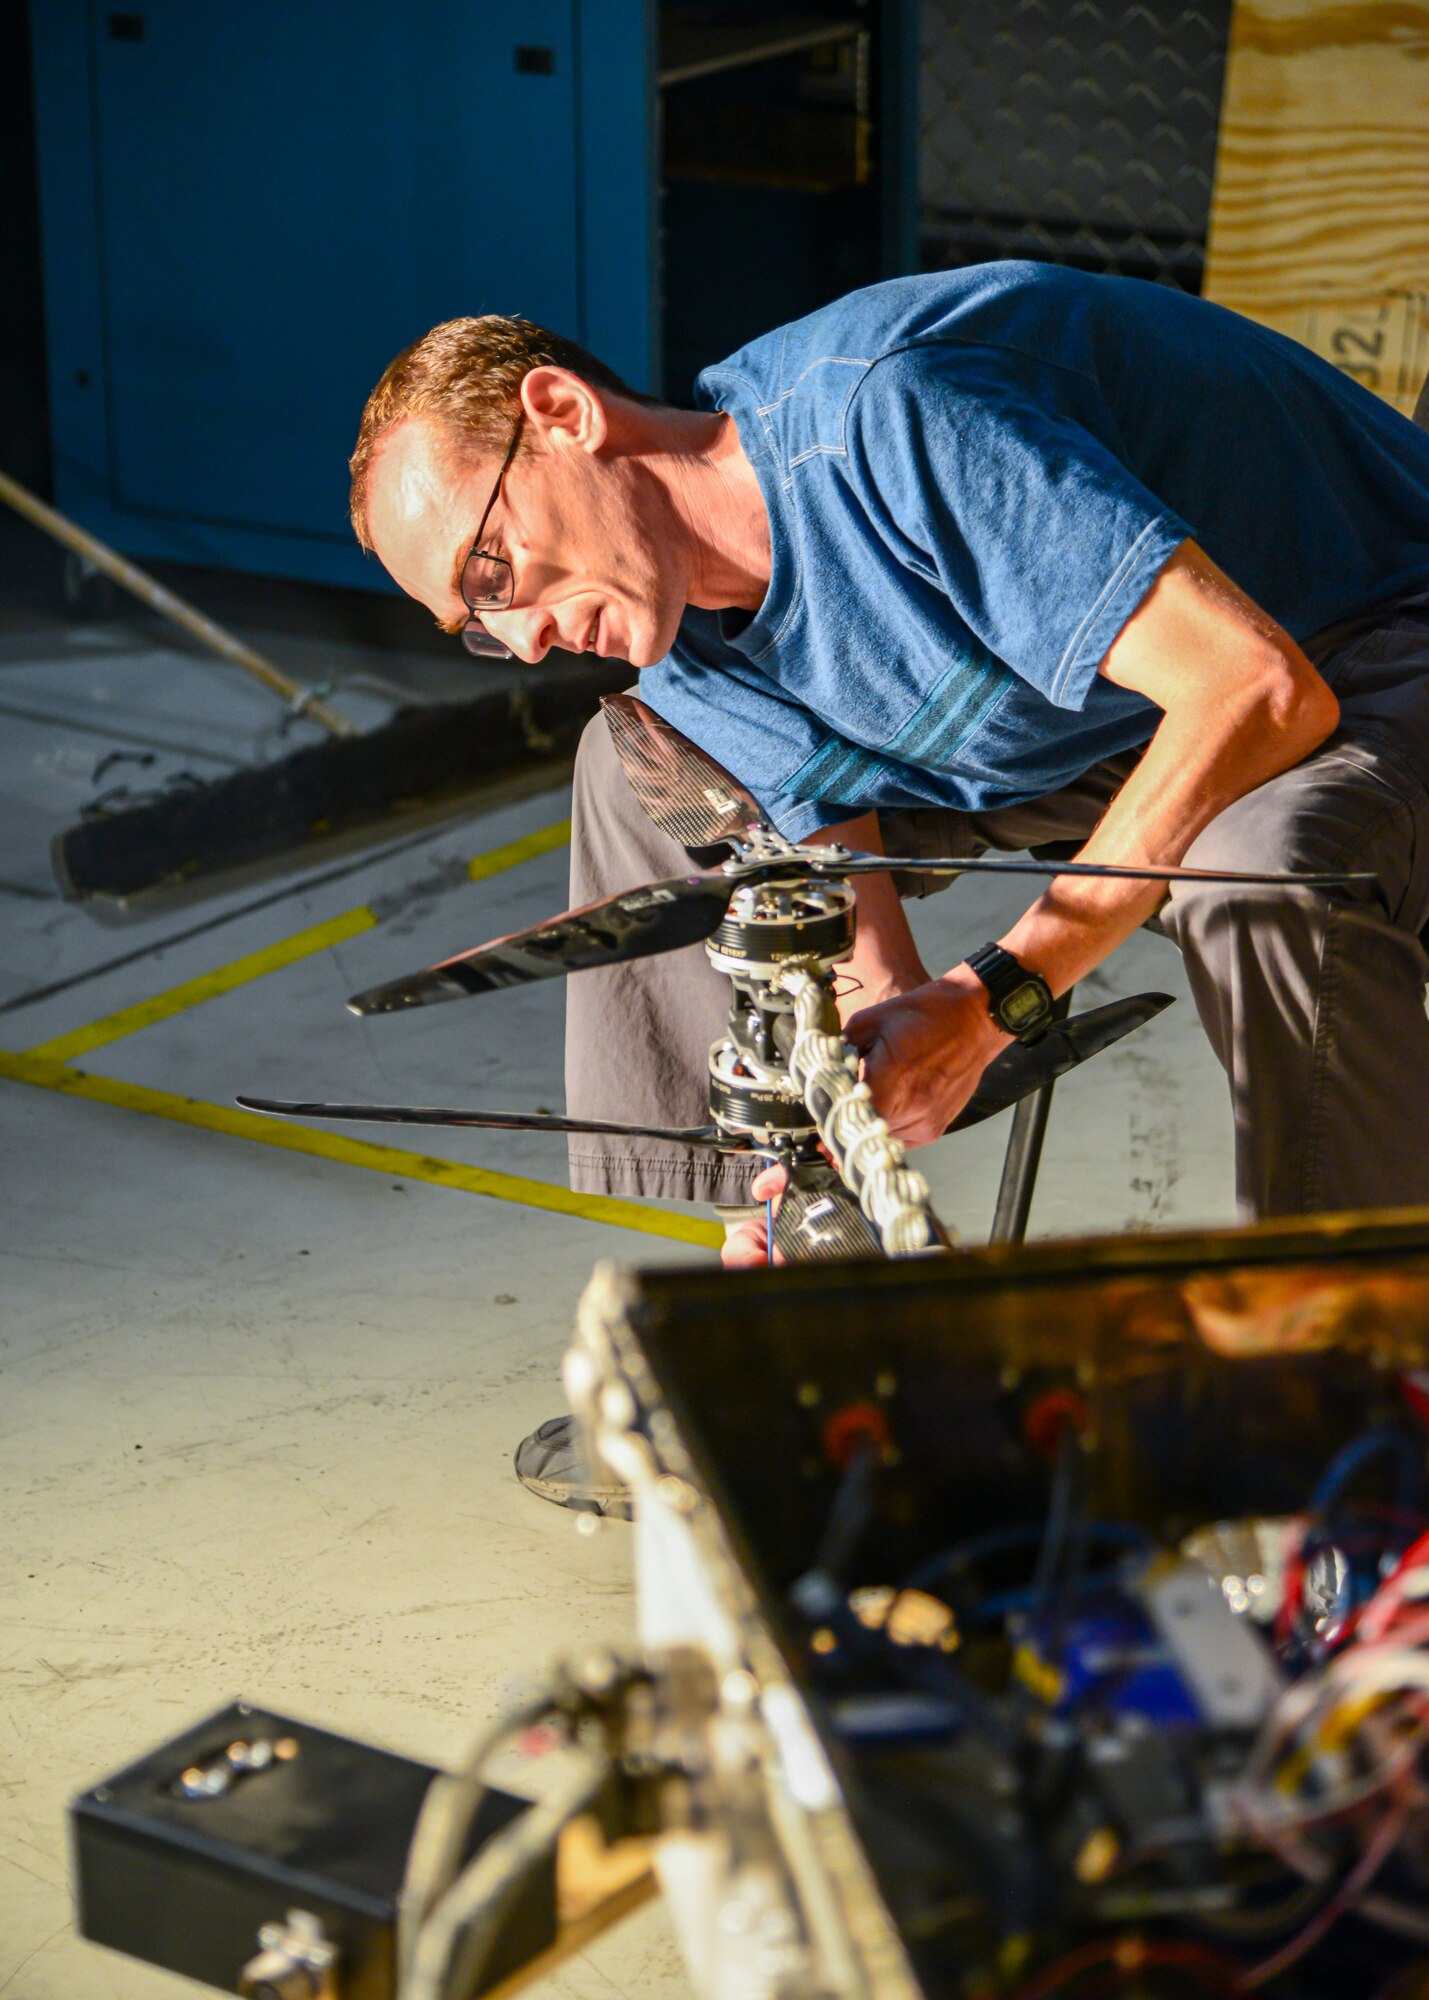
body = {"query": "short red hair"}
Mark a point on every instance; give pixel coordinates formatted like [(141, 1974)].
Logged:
[(466, 376)]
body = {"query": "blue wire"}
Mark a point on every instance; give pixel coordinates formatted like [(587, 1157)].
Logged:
[(1356, 1454), (1112, 1535), (769, 1229)]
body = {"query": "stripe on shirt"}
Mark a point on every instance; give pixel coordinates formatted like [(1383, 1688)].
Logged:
[(940, 726), (937, 729)]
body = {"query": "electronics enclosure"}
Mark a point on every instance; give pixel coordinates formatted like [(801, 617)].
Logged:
[(1221, 1372), (187, 1883)]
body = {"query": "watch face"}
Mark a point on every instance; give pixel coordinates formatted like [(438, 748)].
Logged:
[(1023, 1007)]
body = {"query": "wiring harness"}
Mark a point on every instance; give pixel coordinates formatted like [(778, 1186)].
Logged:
[(893, 1196)]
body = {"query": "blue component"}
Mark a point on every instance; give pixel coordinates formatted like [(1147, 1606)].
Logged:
[(1107, 1656), (248, 207), (1360, 1451), (248, 210)]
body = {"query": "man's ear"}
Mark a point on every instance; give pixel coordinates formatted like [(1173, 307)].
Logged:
[(568, 413)]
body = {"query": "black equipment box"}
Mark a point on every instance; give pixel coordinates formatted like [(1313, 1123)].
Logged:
[(181, 1858), (1212, 1374)]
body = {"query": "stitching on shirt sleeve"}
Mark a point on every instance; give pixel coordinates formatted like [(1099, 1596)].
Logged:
[(1109, 590), (839, 450), (824, 361)]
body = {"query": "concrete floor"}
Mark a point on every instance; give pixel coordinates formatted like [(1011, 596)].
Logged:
[(259, 1408)]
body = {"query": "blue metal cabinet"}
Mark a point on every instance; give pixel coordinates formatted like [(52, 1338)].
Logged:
[(249, 206), (247, 209)]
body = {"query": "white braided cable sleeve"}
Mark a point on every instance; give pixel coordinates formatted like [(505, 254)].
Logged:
[(891, 1194)]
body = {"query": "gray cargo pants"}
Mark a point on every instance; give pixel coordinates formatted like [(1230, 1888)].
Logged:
[(1314, 1004)]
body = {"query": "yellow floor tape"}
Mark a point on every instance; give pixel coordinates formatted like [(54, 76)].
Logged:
[(45, 1074), (208, 986), (47, 1067), (498, 859), (258, 964)]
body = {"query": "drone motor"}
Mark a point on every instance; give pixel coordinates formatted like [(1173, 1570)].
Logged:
[(768, 925), (748, 1097), (770, 922)]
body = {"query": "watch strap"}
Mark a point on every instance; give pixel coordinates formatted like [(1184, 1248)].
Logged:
[(1003, 975)]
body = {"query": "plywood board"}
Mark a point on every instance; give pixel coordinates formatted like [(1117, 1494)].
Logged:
[(1320, 213)]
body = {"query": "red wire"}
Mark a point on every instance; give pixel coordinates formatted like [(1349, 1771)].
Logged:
[(1377, 1851), (1127, 1957), (1293, 1581), (1387, 1605)]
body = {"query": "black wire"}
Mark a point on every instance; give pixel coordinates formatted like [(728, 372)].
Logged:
[(849, 1515), (127, 798), (1078, 1549), (106, 763), (1063, 1554)]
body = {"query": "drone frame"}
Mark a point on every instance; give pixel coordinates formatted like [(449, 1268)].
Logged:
[(692, 799)]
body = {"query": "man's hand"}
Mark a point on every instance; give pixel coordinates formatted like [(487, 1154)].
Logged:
[(924, 1051), (925, 1042), (1240, 704), (746, 1243)]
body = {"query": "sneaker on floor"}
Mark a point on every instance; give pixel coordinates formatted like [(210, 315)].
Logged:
[(552, 1463)]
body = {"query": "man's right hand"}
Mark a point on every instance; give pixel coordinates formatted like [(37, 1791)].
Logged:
[(924, 1052)]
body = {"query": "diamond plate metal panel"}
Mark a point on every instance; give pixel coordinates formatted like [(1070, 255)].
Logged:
[(1080, 134)]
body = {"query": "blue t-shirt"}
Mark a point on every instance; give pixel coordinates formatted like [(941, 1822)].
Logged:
[(973, 478)]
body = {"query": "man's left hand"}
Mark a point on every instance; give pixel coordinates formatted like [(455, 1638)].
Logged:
[(924, 1051)]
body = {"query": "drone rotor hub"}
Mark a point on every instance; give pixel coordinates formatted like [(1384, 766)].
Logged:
[(770, 922)]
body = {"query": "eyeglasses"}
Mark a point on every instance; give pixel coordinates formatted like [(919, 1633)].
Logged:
[(488, 583)]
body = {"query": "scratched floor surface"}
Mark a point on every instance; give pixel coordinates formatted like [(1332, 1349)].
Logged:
[(259, 1406)]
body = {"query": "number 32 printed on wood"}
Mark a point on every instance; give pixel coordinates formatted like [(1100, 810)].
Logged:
[(1383, 343)]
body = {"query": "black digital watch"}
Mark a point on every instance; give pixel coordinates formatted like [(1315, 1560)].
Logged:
[(1020, 1001)]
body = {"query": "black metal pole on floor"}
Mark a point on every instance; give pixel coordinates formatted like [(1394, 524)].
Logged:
[(1024, 1156)]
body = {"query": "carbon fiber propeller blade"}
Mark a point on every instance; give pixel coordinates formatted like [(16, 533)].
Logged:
[(491, 1121), (640, 923), (679, 787), (819, 1219), (665, 916), (999, 864), (1020, 1070)]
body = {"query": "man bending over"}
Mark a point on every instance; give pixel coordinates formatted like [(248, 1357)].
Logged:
[(984, 558)]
